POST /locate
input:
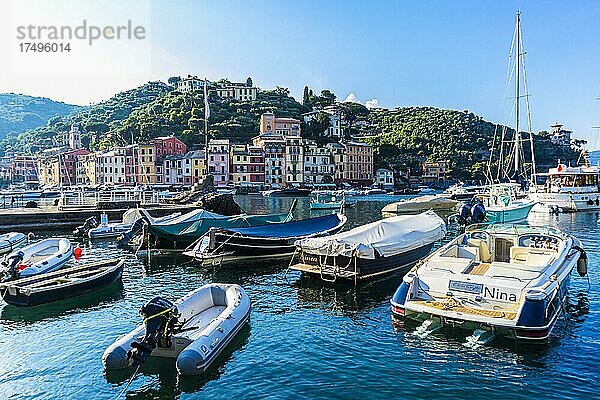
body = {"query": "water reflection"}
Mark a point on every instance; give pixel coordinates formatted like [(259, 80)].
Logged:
[(98, 299), (344, 295)]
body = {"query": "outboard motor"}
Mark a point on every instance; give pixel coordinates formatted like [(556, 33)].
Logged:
[(89, 223), (463, 213), (11, 267), (160, 318), (126, 237), (477, 213)]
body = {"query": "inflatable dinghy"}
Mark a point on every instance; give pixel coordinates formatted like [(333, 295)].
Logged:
[(44, 256), (194, 330), (10, 241)]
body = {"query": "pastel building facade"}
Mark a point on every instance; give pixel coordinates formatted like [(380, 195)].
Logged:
[(218, 164)]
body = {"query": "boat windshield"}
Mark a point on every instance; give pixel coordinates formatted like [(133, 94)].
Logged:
[(571, 180)]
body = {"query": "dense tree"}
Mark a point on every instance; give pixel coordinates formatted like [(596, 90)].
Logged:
[(173, 80), (316, 127), (352, 112), (306, 97)]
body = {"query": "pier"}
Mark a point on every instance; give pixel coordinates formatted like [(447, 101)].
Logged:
[(50, 217)]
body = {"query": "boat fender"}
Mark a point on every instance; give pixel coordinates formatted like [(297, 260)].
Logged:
[(582, 262), (77, 251)]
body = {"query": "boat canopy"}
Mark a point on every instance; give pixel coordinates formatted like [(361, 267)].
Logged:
[(293, 229), (195, 215), (242, 220), (386, 238)]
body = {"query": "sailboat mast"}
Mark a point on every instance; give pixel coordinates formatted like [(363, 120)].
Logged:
[(517, 80)]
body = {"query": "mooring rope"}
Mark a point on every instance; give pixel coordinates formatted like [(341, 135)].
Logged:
[(129, 383)]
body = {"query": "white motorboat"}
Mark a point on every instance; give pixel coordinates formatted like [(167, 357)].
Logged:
[(112, 230), (10, 241), (330, 202), (505, 280), (44, 256), (194, 330), (568, 189), (420, 204)]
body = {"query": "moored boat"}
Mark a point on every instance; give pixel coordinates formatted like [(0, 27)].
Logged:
[(10, 241), (181, 231), (112, 230), (268, 241), (419, 204), (61, 284), (287, 192), (389, 245), (569, 189), (330, 202), (504, 280), (37, 258), (194, 330), (503, 206)]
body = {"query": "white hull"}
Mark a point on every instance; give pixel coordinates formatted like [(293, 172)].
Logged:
[(45, 256), (569, 202), (11, 241)]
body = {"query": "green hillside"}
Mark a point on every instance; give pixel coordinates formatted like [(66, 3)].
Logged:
[(95, 120), (182, 114), (19, 113), (408, 136)]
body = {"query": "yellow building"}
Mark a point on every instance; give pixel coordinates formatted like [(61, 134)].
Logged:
[(49, 170), (435, 173), (86, 170), (146, 162), (197, 162)]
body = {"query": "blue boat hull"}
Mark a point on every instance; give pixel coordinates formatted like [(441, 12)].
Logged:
[(504, 216)]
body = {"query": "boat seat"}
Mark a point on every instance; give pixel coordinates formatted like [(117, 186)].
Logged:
[(462, 251), (450, 265), (484, 250), (531, 258)]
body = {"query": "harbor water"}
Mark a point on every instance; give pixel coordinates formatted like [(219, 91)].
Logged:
[(306, 339)]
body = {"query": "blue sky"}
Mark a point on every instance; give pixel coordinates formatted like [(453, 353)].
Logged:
[(450, 54)]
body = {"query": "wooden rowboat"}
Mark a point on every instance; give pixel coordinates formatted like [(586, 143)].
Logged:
[(61, 284)]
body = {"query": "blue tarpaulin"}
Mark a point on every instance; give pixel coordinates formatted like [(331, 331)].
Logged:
[(293, 229)]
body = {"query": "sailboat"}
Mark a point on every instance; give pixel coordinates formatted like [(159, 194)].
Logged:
[(502, 201)]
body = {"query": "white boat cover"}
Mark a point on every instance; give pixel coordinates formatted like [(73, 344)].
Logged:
[(387, 237), (420, 203)]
